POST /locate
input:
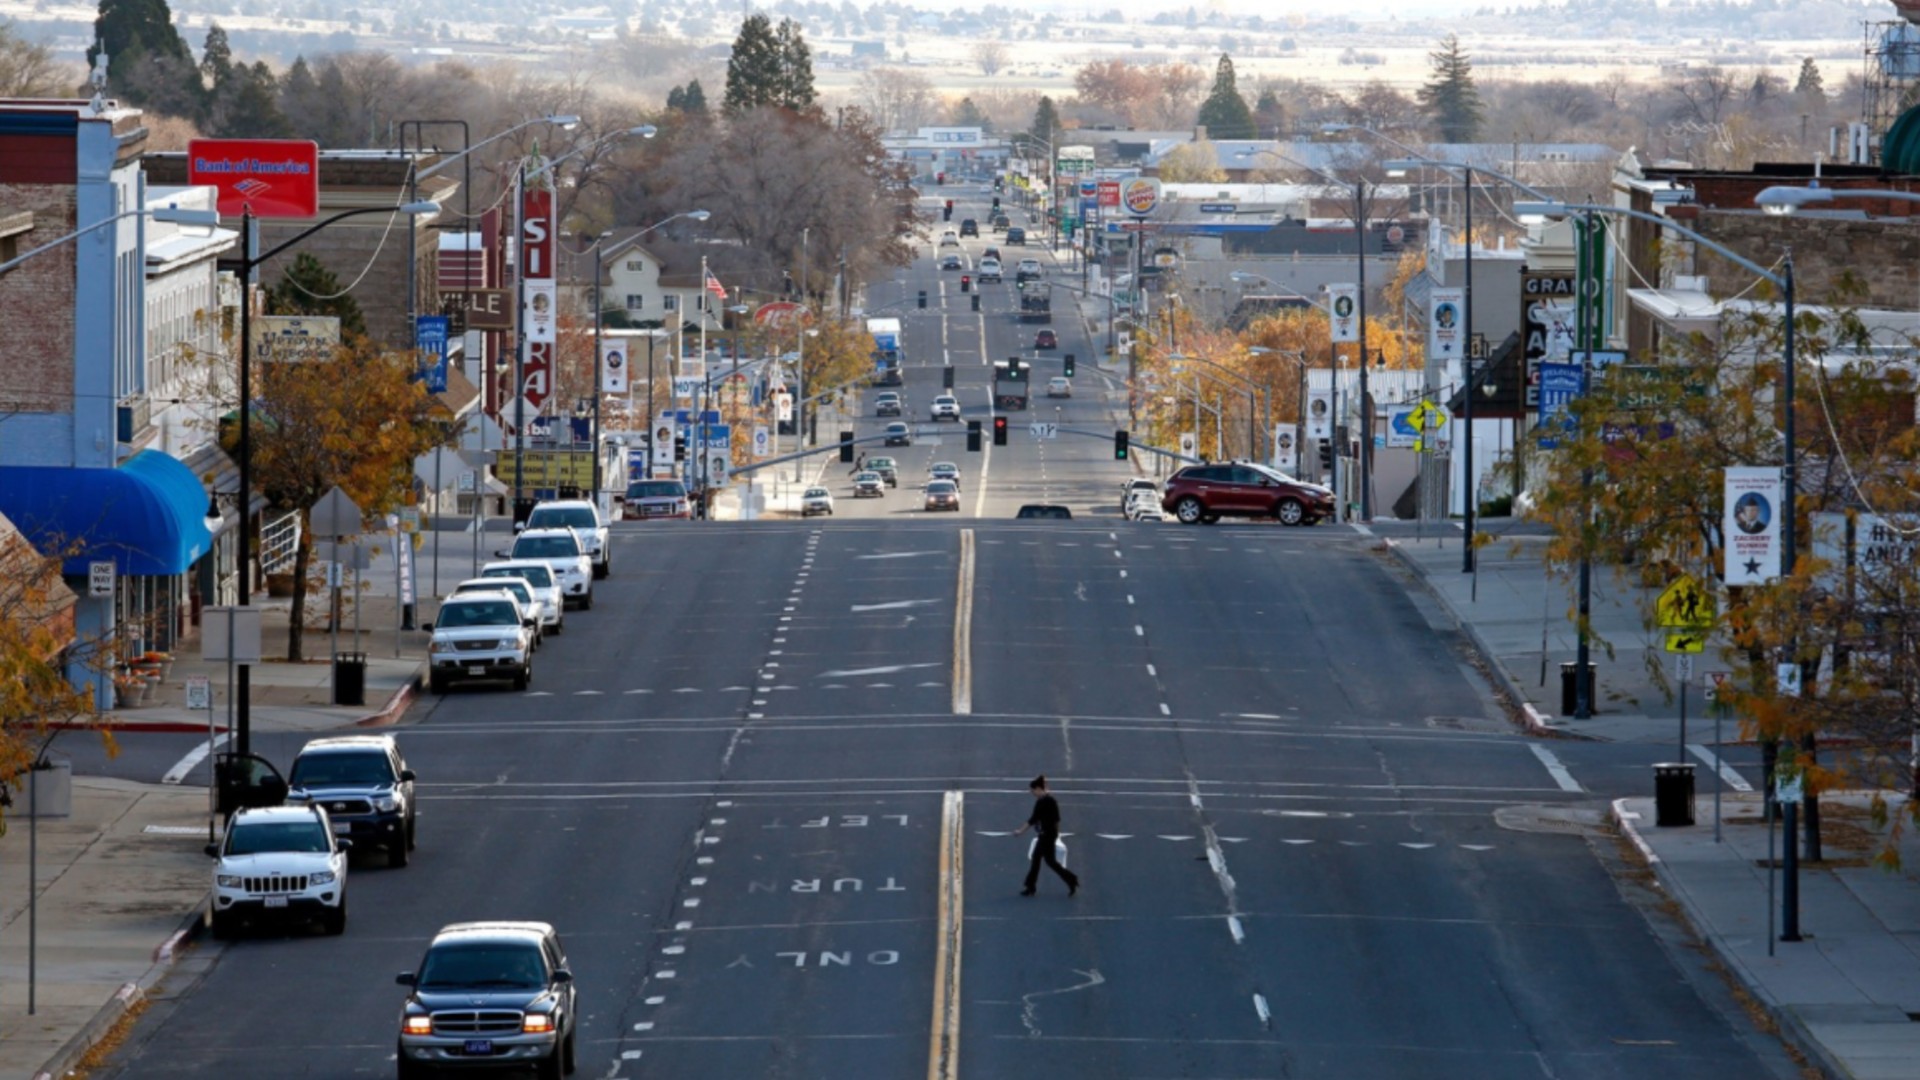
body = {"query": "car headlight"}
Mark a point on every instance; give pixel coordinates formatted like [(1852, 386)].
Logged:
[(417, 1025), (320, 877), (386, 804), (227, 881), (537, 1023)]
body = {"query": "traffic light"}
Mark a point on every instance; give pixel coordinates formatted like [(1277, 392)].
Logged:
[(999, 431), (1067, 366), (846, 447), (679, 446), (1326, 456), (947, 214), (1119, 446), (973, 436), (923, 298), (966, 282), (946, 377), (976, 301), (996, 202)]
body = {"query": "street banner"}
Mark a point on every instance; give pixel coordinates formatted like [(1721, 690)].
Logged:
[(1559, 385), (540, 299), (1283, 448), (273, 178), (430, 334), (718, 462), (636, 464), (661, 452), (1446, 326), (1752, 527), (1547, 306), (1320, 413), (762, 441), (1343, 305), (613, 367)]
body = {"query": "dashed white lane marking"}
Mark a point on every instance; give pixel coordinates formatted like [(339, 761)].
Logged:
[(673, 950), (667, 974), (1164, 711), (639, 691), (656, 1000), (644, 1025), (1156, 674), (631, 1055), (1239, 932), (587, 693), (683, 925), (1727, 774), (1260, 1007), (1556, 770), (1129, 599), (1139, 631)]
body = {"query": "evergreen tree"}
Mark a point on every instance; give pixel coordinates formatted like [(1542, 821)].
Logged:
[(247, 106), (695, 99), (677, 100), (216, 58), (968, 114), (796, 67), (309, 288), (1451, 102), (1269, 115), (140, 41), (1810, 84), (754, 70), (1046, 121), (1225, 114)]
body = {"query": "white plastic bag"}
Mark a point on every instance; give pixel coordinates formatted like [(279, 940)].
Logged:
[(1059, 850)]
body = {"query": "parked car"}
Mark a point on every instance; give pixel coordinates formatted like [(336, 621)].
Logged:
[(583, 517), (279, 862), (944, 470), (899, 435), (553, 602), (1046, 339), (479, 636), (564, 554), (649, 499), (532, 602), (1016, 236), (969, 227), (1203, 494), (1060, 386), (951, 262), (1033, 511), (888, 403), (489, 996), (1139, 485), (868, 484), (946, 407), (989, 270), (1143, 506), (816, 500), (942, 495), (364, 785), (888, 469)]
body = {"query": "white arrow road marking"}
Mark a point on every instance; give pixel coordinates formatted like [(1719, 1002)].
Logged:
[(891, 605), (890, 669)]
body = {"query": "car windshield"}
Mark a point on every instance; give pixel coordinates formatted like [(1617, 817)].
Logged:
[(880, 463), (896, 427), (940, 487), (255, 839), (867, 478), (1044, 512), (359, 767), (518, 590), (657, 489), (541, 577), (485, 964), (572, 517), (817, 493), (477, 613), (546, 547)]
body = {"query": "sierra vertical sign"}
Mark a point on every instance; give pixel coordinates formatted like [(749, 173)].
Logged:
[(269, 178), (538, 315)]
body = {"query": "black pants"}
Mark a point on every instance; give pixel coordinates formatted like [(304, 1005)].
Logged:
[(1043, 852)]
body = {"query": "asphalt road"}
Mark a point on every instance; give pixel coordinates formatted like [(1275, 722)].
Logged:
[(766, 789)]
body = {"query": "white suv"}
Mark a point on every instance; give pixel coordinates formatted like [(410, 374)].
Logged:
[(584, 518), (564, 554), (533, 603), (280, 861), (553, 602), (946, 407), (480, 636)]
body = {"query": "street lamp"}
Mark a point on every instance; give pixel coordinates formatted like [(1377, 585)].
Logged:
[(1333, 378), (249, 264), (1253, 439), (171, 215), (1362, 199)]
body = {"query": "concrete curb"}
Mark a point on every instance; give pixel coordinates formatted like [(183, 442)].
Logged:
[(396, 706), (124, 1000), (1792, 1029)]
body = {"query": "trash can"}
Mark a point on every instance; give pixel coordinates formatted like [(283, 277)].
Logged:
[(1672, 794), (350, 678), (1570, 694)]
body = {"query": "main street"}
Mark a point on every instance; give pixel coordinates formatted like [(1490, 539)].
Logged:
[(765, 790)]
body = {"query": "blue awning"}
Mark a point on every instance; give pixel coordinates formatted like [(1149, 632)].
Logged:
[(148, 515)]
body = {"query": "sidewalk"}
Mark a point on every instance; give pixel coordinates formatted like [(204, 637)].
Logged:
[(1849, 994), (123, 879)]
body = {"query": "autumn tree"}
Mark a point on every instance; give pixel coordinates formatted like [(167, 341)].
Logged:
[(1225, 114), (1451, 102), (1269, 115), (358, 420), (1193, 162)]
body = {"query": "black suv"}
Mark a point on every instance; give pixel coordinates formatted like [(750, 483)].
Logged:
[(365, 786), (488, 996), (1016, 236), (969, 227)]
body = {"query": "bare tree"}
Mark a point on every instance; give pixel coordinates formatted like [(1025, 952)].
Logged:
[(990, 55), (28, 69), (896, 99)]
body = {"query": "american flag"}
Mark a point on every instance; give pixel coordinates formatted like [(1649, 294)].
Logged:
[(714, 287)]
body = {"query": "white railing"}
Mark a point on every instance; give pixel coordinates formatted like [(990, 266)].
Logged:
[(279, 542)]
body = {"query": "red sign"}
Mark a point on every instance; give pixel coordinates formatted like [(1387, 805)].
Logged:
[(1109, 193), (272, 178), (536, 266), (781, 315)]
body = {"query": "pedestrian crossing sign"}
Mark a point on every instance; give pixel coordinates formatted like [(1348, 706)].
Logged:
[(1686, 641), (1685, 605)]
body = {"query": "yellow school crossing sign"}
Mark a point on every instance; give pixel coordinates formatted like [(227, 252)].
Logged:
[(1424, 418), (1686, 612)]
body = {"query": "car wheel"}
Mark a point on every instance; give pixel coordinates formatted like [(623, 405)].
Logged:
[(334, 922), (560, 623), (1189, 510), (411, 826), (410, 1070), (586, 601), (397, 854), (524, 676), (569, 1060), (223, 925), (437, 683), (551, 1067), (1290, 512)]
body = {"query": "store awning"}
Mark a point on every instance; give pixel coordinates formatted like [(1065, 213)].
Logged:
[(148, 516)]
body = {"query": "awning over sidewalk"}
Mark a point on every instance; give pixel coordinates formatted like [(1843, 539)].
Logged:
[(148, 516)]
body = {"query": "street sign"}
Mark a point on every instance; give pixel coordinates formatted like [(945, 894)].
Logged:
[(1044, 430), (548, 468), (1786, 674), (1684, 605), (1683, 666), (242, 646), (335, 515), (272, 178), (686, 386), (1189, 443), (100, 579), (1428, 416), (199, 692), (1686, 641), (762, 440)]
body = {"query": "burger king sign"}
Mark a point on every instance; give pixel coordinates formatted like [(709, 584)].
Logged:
[(1140, 196)]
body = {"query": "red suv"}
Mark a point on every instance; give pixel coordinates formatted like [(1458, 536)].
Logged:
[(1203, 494)]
